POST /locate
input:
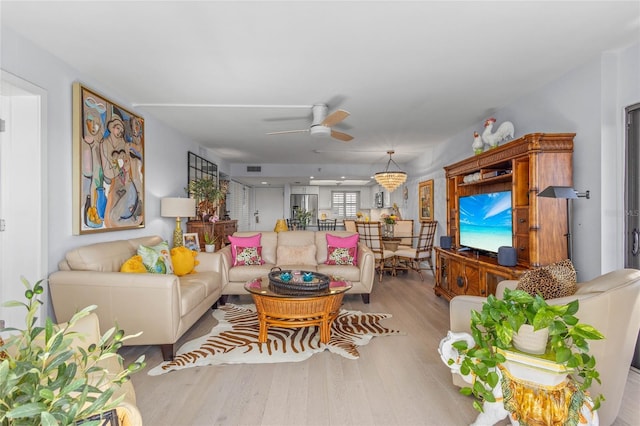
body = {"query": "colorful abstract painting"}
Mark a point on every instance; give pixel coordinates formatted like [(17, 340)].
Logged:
[(108, 164)]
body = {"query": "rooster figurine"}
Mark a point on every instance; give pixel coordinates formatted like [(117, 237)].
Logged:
[(477, 145), (504, 132)]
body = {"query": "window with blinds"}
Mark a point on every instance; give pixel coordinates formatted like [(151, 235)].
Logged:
[(344, 204)]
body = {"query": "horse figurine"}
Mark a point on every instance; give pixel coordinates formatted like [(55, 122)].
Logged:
[(493, 412)]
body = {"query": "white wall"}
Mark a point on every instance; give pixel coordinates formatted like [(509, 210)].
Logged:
[(165, 149), (589, 101)]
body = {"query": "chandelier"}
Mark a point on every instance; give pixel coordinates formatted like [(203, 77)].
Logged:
[(388, 179)]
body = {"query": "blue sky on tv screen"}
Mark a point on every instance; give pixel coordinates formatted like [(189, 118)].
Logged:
[(486, 221), (486, 210)]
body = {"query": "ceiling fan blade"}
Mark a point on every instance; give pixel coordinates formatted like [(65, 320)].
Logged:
[(335, 117), (288, 131), (341, 136)]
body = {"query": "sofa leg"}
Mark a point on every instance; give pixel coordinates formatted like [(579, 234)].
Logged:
[(215, 305), (167, 352), (223, 300), (365, 298)]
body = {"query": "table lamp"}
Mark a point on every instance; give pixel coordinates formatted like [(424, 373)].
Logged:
[(177, 207)]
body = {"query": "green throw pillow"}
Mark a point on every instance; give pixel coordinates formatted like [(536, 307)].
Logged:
[(157, 259)]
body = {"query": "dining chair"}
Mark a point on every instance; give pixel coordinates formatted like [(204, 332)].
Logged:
[(371, 236), (295, 225), (327, 224), (350, 225), (403, 229), (412, 258)]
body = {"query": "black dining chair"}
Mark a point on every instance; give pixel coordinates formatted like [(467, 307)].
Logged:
[(327, 224)]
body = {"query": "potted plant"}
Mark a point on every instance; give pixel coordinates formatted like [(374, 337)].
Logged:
[(210, 242), (303, 216), (500, 319), (207, 194), (44, 380)]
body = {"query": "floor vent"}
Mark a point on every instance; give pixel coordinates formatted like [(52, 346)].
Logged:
[(254, 168)]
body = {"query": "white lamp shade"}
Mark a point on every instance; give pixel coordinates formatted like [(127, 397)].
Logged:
[(177, 207)]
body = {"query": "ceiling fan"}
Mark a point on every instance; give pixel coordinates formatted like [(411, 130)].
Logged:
[(322, 124)]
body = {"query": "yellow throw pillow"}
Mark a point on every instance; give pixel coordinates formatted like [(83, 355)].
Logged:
[(184, 260), (134, 264)]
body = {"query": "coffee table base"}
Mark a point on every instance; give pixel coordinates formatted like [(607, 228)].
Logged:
[(297, 312)]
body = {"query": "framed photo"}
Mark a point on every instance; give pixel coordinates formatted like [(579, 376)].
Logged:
[(425, 200), (191, 241), (108, 165)]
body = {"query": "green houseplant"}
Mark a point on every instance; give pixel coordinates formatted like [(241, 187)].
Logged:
[(303, 216), (44, 380), (497, 323), (207, 193)]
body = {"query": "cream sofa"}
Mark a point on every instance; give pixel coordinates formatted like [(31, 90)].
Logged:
[(162, 306), (235, 277), (610, 303)]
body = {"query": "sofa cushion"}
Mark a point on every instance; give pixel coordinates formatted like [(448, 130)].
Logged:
[(347, 272), (341, 255), (183, 260), (209, 280), (252, 241), (249, 272), (551, 281), (157, 259), (100, 257), (321, 243), (248, 256), (134, 265), (296, 255)]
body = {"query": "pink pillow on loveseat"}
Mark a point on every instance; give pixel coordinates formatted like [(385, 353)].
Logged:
[(252, 241), (344, 242)]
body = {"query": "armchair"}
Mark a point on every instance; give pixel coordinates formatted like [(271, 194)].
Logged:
[(611, 303)]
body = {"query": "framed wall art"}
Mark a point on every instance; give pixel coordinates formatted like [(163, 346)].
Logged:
[(425, 200), (108, 165), (191, 241)]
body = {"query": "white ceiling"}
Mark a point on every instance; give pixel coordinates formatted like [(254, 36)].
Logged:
[(410, 73)]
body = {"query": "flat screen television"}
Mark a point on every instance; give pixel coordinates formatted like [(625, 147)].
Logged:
[(486, 221)]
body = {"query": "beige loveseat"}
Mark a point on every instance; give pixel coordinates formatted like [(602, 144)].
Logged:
[(235, 277), (610, 303), (162, 306)]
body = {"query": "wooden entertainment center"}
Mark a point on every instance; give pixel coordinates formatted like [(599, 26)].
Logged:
[(525, 166)]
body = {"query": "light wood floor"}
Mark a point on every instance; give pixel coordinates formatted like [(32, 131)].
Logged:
[(398, 380)]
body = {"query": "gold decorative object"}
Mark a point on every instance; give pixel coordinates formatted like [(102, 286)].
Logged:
[(390, 180), (281, 225)]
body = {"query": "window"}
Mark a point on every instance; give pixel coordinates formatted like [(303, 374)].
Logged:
[(344, 204)]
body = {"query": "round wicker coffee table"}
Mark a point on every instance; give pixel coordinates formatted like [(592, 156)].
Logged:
[(293, 309)]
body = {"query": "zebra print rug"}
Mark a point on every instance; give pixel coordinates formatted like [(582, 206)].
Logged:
[(234, 340)]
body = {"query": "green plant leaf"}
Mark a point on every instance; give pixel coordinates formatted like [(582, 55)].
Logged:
[(587, 332), (562, 355), (31, 409)]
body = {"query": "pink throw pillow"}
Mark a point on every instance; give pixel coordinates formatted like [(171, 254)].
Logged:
[(341, 255), (248, 256), (344, 242), (252, 241)]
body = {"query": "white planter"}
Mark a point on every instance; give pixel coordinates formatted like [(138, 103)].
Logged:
[(533, 342), (209, 248)]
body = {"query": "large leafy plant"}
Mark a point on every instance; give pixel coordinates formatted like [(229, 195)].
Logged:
[(45, 380), (494, 326), (207, 193)]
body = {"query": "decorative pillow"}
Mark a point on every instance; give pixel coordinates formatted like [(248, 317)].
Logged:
[(341, 255), (183, 260), (344, 242), (248, 256), (551, 281), (134, 264), (296, 255), (156, 259), (252, 241)]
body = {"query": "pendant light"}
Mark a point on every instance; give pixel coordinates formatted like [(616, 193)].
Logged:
[(390, 180)]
